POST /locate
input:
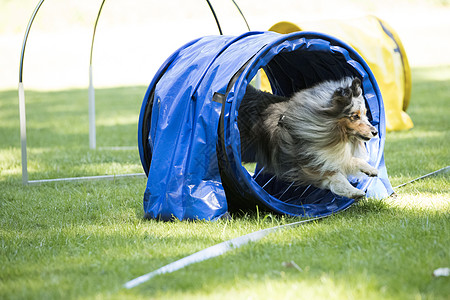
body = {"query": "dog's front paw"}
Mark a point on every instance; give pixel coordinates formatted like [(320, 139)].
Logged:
[(357, 195), (370, 171), (345, 189)]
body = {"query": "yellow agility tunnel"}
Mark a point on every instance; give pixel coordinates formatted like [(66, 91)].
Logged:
[(383, 51)]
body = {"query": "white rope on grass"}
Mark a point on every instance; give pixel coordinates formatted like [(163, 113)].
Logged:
[(213, 251), (440, 171), (235, 243), (86, 178)]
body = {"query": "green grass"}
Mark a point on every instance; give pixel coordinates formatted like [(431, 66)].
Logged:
[(84, 240), (57, 133)]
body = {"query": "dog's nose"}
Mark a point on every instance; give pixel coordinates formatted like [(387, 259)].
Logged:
[(374, 132)]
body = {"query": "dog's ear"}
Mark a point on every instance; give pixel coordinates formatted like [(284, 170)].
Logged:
[(356, 87), (342, 96)]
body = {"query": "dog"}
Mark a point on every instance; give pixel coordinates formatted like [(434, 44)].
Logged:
[(315, 137)]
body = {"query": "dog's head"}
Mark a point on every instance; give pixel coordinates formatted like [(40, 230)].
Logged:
[(350, 109)]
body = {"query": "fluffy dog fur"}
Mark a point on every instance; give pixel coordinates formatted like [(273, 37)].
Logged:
[(314, 137)]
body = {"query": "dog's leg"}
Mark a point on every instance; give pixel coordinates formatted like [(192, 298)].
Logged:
[(339, 185), (360, 165)]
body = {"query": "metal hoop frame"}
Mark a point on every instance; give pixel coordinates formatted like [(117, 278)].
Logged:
[(91, 95)]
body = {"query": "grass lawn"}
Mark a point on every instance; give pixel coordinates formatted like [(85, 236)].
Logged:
[(84, 240)]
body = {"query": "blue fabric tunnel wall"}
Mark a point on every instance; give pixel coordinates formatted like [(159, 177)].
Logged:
[(189, 141)]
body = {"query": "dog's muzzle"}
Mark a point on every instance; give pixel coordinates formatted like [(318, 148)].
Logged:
[(374, 131)]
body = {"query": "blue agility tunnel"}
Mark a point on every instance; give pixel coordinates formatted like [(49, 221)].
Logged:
[(189, 141)]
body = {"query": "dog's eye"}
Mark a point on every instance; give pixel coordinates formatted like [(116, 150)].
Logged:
[(354, 117)]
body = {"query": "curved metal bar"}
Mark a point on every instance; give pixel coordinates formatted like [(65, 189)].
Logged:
[(215, 16), (27, 31), (95, 29), (22, 114), (91, 87), (240, 11), (91, 90)]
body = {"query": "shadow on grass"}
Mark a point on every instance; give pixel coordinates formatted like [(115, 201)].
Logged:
[(53, 115), (78, 262), (87, 240), (369, 251), (58, 138)]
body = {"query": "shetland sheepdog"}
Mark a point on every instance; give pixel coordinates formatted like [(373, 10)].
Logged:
[(316, 137)]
